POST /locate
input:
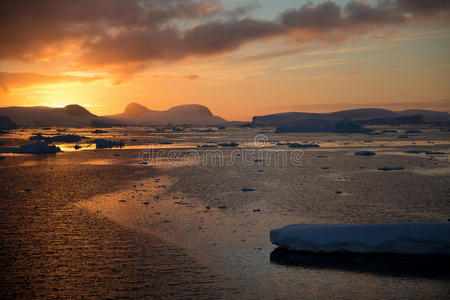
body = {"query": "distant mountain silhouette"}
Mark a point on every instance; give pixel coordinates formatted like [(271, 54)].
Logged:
[(6, 123), (194, 114), (190, 114), (71, 115), (75, 110), (135, 110), (134, 114), (428, 115), (365, 116), (364, 113)]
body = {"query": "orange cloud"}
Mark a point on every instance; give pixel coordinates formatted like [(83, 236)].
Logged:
[(13, 80)]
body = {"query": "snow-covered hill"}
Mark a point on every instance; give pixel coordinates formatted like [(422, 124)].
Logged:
[(191, 114)]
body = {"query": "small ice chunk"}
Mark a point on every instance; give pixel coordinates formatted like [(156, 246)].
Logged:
[(413, 131), (391, 168), (365, 153), (231, 144), (415, 151), (434, 153), (297, 145), (102, 144)]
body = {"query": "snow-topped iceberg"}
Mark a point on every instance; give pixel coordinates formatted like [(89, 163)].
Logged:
[(394, 238)]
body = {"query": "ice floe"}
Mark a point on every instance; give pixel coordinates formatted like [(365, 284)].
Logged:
[(365, 153), (393, 238), (99, 131), (231, 144), (101, 144), (391, 168), (412, 131), (35, 148), (297, 145)]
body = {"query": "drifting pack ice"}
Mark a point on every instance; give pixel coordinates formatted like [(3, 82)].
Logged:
[(395, 238)]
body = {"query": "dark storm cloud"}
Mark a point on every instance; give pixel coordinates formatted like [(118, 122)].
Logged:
[(31, 29), (329, 16), (423, 7), (318, 17), (170, 44), (216, 37), (127, 34), (242, 10)]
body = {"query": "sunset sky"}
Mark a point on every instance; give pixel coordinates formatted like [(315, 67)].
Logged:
[(239, 58)]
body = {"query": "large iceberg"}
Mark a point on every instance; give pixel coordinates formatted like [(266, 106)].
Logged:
[(394, 238), (342, 126)]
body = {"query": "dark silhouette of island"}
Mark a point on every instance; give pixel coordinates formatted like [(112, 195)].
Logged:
[(334, 121), (199, 115), (189, 114), (6, 123), (71, 115), (134, 115)]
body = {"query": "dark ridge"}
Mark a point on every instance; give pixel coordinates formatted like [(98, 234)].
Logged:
[(75, 110), (135, 109), (203, 110), (7, 123)]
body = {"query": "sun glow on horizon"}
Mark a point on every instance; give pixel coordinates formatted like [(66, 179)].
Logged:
[(280, 64), (54, 104)]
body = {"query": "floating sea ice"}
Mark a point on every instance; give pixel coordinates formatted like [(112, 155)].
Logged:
[(391, 168), (297, 145), (231, 144), (36, 148), (412, 131), (394, 238), (365, 153)]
